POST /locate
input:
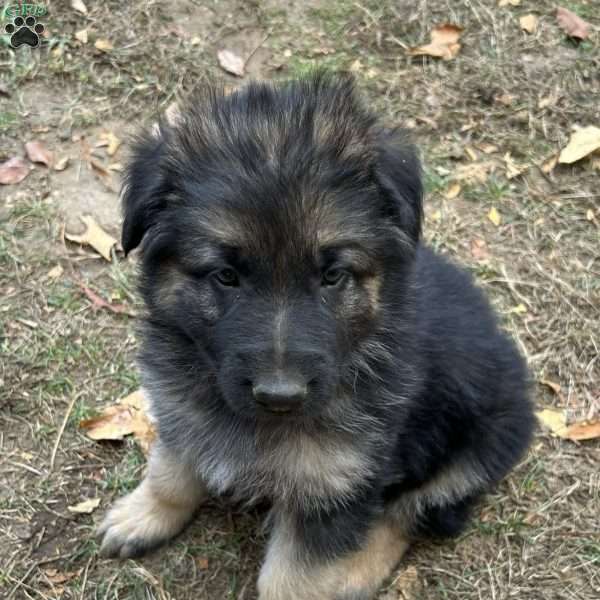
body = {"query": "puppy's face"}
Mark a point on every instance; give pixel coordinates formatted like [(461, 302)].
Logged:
[(272, 227)]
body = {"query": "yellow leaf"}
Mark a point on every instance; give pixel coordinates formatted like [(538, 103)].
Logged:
[(82, 36), (509, 2), (494, 216), (453, 191), (549, 164), (520, 309), (86, 507), (584, 141), (444, 42), (95, 237), (529, 23), (103, 45), (111, 141), (554, 420), (55, 272)]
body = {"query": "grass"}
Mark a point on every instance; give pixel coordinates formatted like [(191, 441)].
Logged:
[(536, 536)]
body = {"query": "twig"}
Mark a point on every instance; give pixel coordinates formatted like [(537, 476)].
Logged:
[(61, 431)]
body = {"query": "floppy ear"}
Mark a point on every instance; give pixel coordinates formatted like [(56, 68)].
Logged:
[(398, 173), (145, 188)]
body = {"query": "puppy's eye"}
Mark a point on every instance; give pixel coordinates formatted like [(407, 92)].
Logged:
[(333, 276), (227, 277)]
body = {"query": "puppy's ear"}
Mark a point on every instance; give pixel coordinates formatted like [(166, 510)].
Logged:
[(398, 173), (145, 187)]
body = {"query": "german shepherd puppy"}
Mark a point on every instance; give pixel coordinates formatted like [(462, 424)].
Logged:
[(303, 346)]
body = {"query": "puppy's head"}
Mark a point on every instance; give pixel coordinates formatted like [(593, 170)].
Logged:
[(276, 225)]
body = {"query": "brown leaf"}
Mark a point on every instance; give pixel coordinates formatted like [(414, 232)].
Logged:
[(583, 142), (585, 430), (549, 164), (453, 191), (477, 172), (14, 170), (129, 417), (38, 153), (231, 62), (111, 141), (529, 23), (56, 576), (479, 249), (85, 508), (572, 24), (444, 42), (95, 237), (202, 563)]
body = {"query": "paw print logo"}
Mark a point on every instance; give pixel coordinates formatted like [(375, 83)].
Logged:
[(24, 31)]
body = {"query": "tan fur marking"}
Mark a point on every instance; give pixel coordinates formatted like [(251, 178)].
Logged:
[(362, 573), (156, 510), (373, 287)]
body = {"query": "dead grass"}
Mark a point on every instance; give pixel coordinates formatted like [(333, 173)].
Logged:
[(538, 535)]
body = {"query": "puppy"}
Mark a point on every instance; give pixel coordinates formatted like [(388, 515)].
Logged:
[(303, 346)]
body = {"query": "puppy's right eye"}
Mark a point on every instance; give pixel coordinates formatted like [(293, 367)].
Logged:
[(227, 277)]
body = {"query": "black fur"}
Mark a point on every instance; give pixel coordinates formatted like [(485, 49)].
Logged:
[(407, 377)]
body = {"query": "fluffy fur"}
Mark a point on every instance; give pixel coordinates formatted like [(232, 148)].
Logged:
[(302, 345)]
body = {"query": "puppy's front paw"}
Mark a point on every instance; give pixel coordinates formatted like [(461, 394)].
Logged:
[(140, 522)]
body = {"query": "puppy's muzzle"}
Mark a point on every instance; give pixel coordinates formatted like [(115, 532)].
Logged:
[(280, 392)]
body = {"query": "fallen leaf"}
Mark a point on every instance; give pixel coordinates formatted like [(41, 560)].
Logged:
[(471, 153), (56, 576), (231, 62), (79, 6), (86, 507), (505, 99), (512, 168), (554, 420), (38, 153), (479, 249), (572, 24), (453, 191), (128, 417), (494, 216), (408, 584), (61, 164), (55, 272), (103, 45), (202, 563), (584, 141), (529, 23), (589, 215), (555, 387), (82, 36), (444, 42), (14, 170), (509, 2), (520, 309), (99, 302), (487, 148), (95, 237), (549, 164), (585, 430), (111, 141)]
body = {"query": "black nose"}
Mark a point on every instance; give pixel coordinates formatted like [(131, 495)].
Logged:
[(279, 393)]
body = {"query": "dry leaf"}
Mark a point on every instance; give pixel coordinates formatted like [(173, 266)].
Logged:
[(509, 2), (529, 23), (126, 418), (103, 45), (471, 153), (555, 387), (494, 216), (14, 170), (549, 164), (82, 36), (453, 191), (479, 249), (444, 42), (95, 237), (55, 272), (585, 430), (487, 148), (79, 6), (408, 584), (61, 164), (111, 141), (474, 172), (98, 302), (584, 141), (86, 507), (512, 168), (38, 153), (231, 62), (554, 420), (55, 576), (202, 563), (573, 25)]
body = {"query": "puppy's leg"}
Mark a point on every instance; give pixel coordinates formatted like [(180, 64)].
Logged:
[(290, 573), (158, 509)]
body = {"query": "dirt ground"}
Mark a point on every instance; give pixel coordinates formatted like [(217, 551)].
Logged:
[(508, 98)]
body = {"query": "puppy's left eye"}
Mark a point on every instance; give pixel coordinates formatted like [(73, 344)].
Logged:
[(227, 277), (333, 276)]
